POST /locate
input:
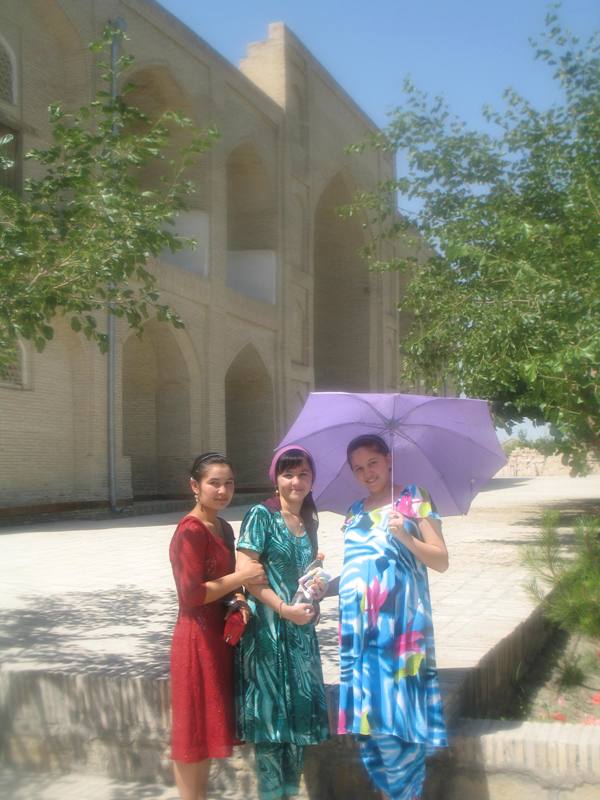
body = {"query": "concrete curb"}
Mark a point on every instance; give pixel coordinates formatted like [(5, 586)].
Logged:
[(502, 760), (119, 726)]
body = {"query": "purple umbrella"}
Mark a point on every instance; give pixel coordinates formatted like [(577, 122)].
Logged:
[(445, 444)]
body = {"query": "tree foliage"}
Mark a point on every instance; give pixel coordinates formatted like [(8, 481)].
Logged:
[(77, 241), (567, 582), (503, 280)]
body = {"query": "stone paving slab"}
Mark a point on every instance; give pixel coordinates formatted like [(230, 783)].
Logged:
[(98, 596), (78, 786)]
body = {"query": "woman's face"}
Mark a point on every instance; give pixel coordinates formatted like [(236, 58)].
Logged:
[(215, 488), (371, 468), (295, 483)]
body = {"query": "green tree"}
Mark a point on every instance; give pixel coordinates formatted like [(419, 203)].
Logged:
[(503, 280), (567, 581), (77, 241)]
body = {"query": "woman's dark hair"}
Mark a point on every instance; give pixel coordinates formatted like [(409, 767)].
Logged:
[(205, 460), (370, 440), (308, 512)]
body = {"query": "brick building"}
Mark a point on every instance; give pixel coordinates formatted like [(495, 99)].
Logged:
[(276, 300)]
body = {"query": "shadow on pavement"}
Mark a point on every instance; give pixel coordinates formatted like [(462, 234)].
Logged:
[(504, 483), (83, 525), (17, 785), (327, 631), (123, 631), (569, 511), (133, 519)]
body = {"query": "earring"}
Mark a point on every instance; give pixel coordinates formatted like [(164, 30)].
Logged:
[(277, 491)]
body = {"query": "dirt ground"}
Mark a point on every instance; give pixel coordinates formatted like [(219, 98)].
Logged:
[(563, 685)]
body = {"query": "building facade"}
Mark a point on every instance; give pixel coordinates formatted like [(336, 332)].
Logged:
[(276, 300)]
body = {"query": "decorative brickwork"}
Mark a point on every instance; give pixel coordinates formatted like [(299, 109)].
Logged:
[(276, 302), (7, 77), (13, 375)]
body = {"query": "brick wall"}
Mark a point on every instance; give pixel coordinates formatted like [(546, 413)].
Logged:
[(284, 124)]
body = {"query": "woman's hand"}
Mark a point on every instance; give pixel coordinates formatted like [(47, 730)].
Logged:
[(238, 603), (299, 613), (396, 525), (430, 549), (244, 611), (251, 573)]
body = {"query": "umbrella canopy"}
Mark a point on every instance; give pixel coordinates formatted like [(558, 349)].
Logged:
[(447, 445)]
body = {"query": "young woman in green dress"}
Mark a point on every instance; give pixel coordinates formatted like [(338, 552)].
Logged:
[(280, 694)]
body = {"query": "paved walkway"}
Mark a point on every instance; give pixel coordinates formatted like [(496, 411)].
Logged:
[(78, 786), (97, 597)]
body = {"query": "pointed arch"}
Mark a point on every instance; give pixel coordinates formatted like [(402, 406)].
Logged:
[(156, 413), (155, 90), (251, 226), (250, 429), (60, 52), (251, 208), (341, 294)]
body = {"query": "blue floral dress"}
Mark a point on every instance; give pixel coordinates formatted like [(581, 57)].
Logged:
[(388, 675)]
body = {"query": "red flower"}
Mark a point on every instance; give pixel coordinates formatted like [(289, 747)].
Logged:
[(595, 699), (559, 716)]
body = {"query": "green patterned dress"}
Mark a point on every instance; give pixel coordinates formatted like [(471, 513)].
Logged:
[(279, 687)]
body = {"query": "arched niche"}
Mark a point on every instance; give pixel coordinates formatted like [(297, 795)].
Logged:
[(251, 226), (251, 218), (59, 53), (341, 295), (156, 413), (155, 91), (250, 426)]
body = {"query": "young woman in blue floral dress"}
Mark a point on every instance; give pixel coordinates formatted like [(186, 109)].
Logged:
[(389, 692)]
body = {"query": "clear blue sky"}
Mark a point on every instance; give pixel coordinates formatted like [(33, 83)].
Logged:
[(467, 50)]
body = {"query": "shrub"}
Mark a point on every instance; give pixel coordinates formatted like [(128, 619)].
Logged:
[(571, 574)]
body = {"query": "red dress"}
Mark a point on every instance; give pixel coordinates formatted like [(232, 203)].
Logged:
[(203, 724)]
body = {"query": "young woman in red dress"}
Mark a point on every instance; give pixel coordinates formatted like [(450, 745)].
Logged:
[(203, 560)]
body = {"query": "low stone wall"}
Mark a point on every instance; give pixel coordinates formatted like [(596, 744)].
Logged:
[(104, 724), (120, 726), (84, 723), (524, 462), (504, 760)]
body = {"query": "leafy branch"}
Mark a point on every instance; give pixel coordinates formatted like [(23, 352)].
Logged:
[(77, 242)]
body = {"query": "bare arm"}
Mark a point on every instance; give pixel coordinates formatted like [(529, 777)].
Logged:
[(432, 550), (299, 613), (189, 569), (251, 574)]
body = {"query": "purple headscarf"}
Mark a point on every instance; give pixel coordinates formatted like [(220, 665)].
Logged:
[(285, 449), (309, 511)]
